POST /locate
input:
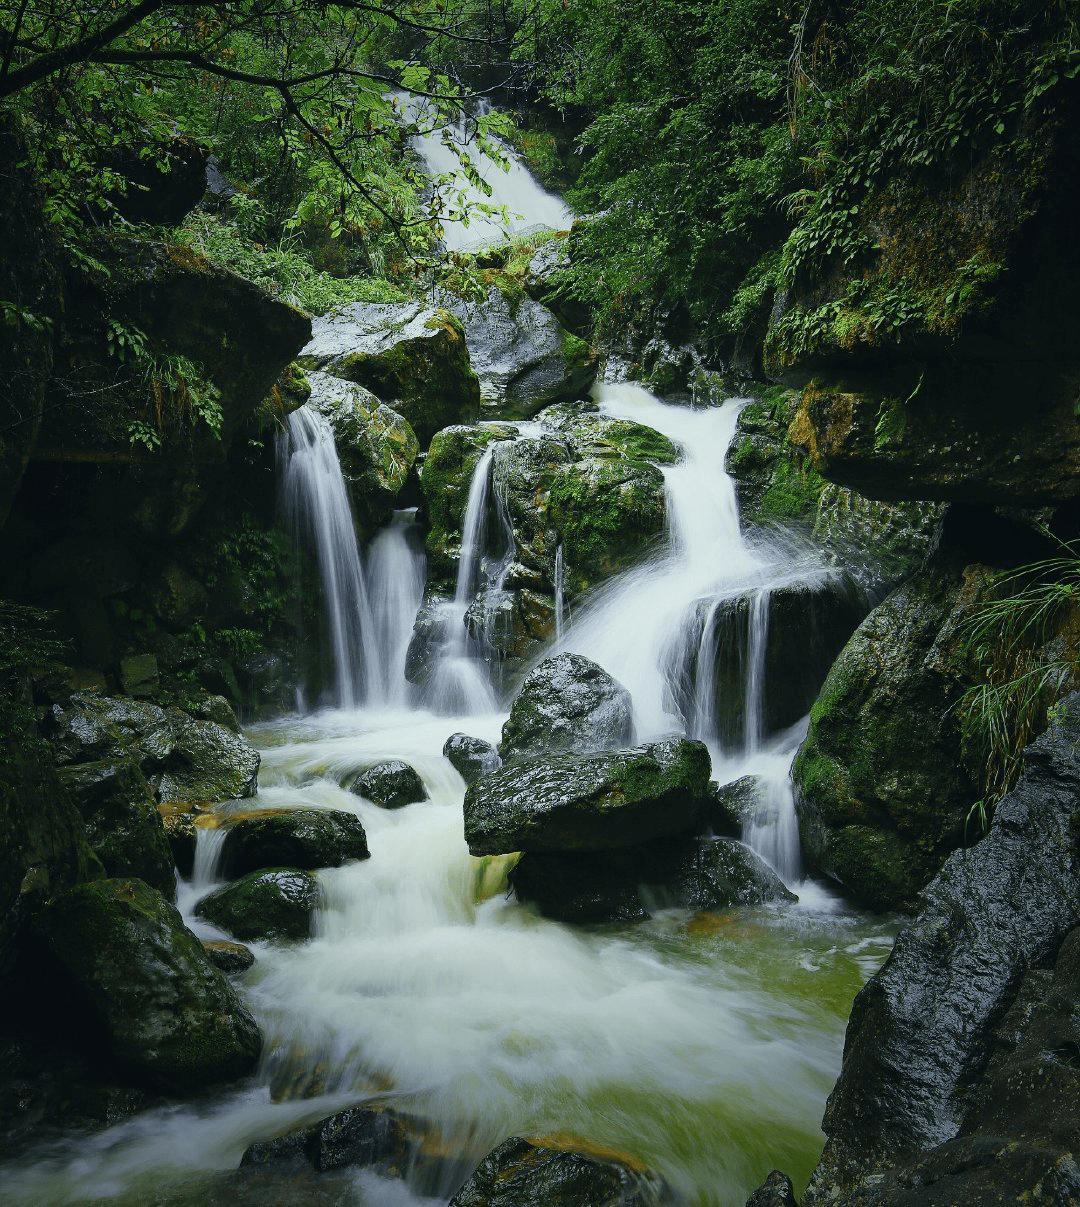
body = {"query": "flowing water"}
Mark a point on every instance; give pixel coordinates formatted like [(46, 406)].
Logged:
[(704, 1045), (509, 184)]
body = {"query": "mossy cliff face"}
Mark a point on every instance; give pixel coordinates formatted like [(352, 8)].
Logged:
[(941, 361)]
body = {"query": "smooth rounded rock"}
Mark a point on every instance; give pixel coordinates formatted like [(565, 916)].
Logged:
[(276, 903), (392, 784), (299, 838), (471, 757)]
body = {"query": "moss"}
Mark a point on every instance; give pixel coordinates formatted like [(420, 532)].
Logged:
[(795, 492), (576, 351)]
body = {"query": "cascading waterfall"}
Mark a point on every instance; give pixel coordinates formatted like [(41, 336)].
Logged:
[(528, 206), (396, 571), (560, 592), (316, 508)]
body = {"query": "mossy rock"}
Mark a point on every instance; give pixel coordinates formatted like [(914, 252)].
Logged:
[(299, 838), (122, 822), (170, 1019), (275, 903), (592, 802), (408, 355), (392, 784)]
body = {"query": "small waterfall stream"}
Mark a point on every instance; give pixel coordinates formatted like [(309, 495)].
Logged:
[(703, 1046)]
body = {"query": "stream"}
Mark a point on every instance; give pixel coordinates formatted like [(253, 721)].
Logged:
[(703, 1044)]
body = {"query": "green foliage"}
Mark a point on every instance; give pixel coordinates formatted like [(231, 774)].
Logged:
[(1020, 642)]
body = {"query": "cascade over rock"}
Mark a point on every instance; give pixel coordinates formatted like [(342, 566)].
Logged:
[(301, 838), (522, 356), (917, 1061), (567, 704), (411, 356), (588, 802), (377, 448), (169, 1017)]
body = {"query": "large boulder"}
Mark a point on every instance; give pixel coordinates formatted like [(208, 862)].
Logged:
[(917, 1059), (552, 1173), (882, 789), (377, 447), (122, 822), (567, 704), (409, 355), (298, 838), (622, 885), (169, 1018), (184, 758), (523, 357), (275, 903), (588, 803)]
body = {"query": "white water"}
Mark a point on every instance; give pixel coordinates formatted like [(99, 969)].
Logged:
[(527, 205), (704, 1046), (395, 571)]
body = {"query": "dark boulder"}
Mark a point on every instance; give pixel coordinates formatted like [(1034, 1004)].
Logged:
[(568, 704), (624, 885), (775, 1191), (392, 785), (471, 757), (730, 806), (919, 1039), (276, 903), (588, 803), (122, 821), (360, 1136), (169, 1017), (301, 838), (538, 1173), (229, 957)]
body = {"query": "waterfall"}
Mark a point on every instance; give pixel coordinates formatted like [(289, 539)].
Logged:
[(396, 571), (528, 205), (757, 637), (461, 682), (315, 504), (560, 576)]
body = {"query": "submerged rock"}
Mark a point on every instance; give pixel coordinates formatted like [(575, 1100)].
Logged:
[(170, 1018), (392, 784), (229, 957), (360, 1136), (471, 757), (549, 1173), (588, 803), (276, 903), (567, 704), (915, 1070), (300, 838), (409, 355), (122, 822)]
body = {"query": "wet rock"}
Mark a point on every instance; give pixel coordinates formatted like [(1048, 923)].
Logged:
[(122, 821), (392, 784), (376, 446), (471, 757), (183, 758), (920, 1034), (276, 903), (229, 957), (361, 1137), (139, 675), (588, 802), (411, 356), (882, 789), (168, 1016), (523, 357), (730, 806), (567, 704), (546, 1173), (624, 885), (302, 838), (775, 1191)]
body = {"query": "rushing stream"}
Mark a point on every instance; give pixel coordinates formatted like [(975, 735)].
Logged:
[(704, 1045)]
